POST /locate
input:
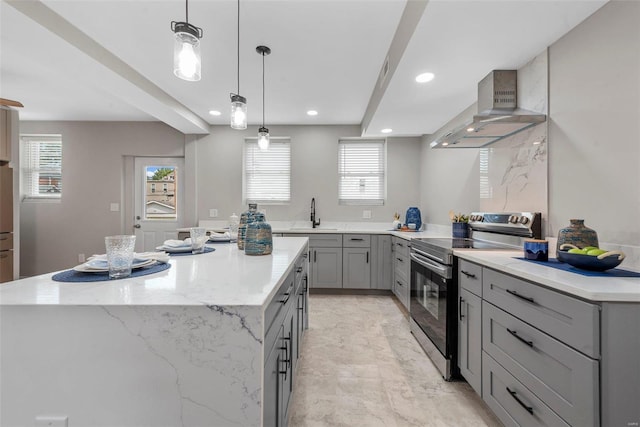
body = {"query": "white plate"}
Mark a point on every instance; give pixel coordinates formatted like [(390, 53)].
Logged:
[(100, 266), (174, 250), (219, 239)]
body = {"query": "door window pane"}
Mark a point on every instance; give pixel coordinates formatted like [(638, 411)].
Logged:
[(161, 205)]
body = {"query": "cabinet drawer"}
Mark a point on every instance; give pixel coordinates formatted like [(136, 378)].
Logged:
[(274, 314), (325, 240), (6, 266), (356, 240), (470, 277), (565, 380), (401, 246), (402, 291), (570, 320), (402, 265), (6, 241), (512, 402)]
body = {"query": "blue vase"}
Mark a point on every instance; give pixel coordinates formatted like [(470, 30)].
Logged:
[(258, 240), (460, 230), (413, 217), (245, 219)]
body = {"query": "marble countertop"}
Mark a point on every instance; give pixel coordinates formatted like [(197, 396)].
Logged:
[(609, 289), (225, 277)]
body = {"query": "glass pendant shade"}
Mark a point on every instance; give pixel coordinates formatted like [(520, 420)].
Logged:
[(238, 112), (263, 138), (186, 51)]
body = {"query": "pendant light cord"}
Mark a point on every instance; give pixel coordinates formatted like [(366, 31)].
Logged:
[(238, 92), (262, 89), (187, 10)]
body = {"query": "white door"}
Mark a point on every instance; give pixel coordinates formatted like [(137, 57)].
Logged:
[(159, 200)]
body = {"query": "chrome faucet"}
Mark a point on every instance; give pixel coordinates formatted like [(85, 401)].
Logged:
[(314, 224)]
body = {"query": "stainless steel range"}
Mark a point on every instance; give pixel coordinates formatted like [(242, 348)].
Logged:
[(434, 291)]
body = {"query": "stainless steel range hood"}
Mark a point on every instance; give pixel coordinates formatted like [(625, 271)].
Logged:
[(498, 116)]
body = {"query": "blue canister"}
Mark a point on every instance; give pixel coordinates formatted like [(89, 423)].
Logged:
[(245, 219), (258, 240), (413, 217), (537, 250), (460, 230)]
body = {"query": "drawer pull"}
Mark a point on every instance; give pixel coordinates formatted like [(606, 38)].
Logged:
[(4, 238), (469, 275), (367, 257), (398, 282), (299, 270), (515, 294), (356, 239), (400, 244), (513, 394), (515, 334), (305, 255), (400, 259), (461, 305)]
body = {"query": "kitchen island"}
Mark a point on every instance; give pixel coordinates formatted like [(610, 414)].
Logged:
[(182, 347)]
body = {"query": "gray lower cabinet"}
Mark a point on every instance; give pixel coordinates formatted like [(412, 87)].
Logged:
[(401, 270), (356, 268), (285, 321), (540, 352), (326, 268), (381, 265), (470, 338)]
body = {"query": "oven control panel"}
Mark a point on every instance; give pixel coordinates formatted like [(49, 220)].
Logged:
[(527, 224)]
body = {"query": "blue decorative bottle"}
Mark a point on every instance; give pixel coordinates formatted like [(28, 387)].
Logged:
[(258, 240), (245, 219), (413, 217)]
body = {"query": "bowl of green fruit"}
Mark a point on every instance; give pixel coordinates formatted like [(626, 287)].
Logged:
[(590, 257)]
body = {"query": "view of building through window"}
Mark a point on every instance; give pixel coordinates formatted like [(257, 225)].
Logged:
[(160, 193)]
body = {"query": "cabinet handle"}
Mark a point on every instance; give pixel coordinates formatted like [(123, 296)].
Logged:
[(469, 275), (400, 244), (299, 270), (356, 240), (460, 308), (400, 259), (367, 257), (305, 255), (515, 334), (398, 282), (306, 283), (513, 394), (287, 294), (4, 238), (315, 257), (515, 294)]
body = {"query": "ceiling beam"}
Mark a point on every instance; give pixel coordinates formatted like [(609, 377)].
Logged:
[(127, 84), (411, 16)]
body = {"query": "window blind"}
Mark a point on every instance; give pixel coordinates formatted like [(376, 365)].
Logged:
[(267, 174), (361, 172), (41, 166)]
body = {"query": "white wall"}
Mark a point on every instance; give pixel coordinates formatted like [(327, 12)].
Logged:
[(594, 127), (449, 178), (314, 167), (53, 234)]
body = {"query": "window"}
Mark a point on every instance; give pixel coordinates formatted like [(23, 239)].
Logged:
[(361, 172), (267, 174), (41, 166), (153, 188)]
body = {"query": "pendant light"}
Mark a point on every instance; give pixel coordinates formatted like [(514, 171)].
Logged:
[(186, 49), (263, 132), (238, 102)]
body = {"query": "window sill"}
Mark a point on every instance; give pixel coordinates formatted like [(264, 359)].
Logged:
[(42, 200)]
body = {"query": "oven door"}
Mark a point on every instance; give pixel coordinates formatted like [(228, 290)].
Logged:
[(432, 302)]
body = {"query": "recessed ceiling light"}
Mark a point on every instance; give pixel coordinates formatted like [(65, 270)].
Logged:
[(471, 129), (312, 113), (387, 130), (444, 144), (424, 77), (214, 112), (536, 142)]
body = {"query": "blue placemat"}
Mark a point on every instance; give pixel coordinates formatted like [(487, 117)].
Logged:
[(554, 263), (76, 276), (206, 250)]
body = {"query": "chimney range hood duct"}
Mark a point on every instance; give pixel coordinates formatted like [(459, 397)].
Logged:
[(498, 116)]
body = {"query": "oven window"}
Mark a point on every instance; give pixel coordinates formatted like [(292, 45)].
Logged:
[(428, 304)]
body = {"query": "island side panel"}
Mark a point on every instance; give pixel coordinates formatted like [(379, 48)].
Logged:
[(131, 365)]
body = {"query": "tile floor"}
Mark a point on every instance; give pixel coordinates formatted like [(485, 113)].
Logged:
[(360, 366)]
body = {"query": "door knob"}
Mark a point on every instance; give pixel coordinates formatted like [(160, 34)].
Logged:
[(137, 226)]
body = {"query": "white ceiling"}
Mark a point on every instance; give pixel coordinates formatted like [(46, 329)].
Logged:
[(112, 60)]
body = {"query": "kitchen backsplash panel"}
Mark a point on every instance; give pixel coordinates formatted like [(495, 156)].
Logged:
[(513, 172)]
